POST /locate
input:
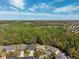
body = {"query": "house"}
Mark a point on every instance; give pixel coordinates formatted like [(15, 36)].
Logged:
[(53, 49), (2, 55), (12, 48), (40, 47), (21, 49), (31, 53), (62, 56), (47, 53), (7, 49), (78, 51), (68, 57), (32, 57), (31, 47), (1, 48)]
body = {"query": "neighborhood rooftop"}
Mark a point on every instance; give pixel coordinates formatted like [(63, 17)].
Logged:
[(32, 57)]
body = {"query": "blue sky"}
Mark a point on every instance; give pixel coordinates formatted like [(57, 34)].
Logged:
[(39, 9)]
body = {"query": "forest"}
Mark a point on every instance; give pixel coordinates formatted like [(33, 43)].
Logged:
[(57, 34)]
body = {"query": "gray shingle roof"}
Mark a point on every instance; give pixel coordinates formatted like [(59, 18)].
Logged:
[(52, 49), (31, 47), (12, 47), (62, 56), (32, 57), (68, 57)]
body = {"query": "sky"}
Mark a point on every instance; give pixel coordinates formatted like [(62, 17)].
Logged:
[(39, 9)]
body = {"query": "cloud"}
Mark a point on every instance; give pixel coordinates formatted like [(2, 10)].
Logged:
[(66, 9), (40, 6), (22, 13), (43, 6), (9, 15), (32, 9), (37, 16), (17, 3)]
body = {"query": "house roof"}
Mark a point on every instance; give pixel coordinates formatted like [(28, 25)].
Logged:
[(12, 47), (1, 48), (68, 57), (40, 46), (22, 47), (48, 53), (62, 56), (31, 57), (31, 47), (78, 50), (52, 49)]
